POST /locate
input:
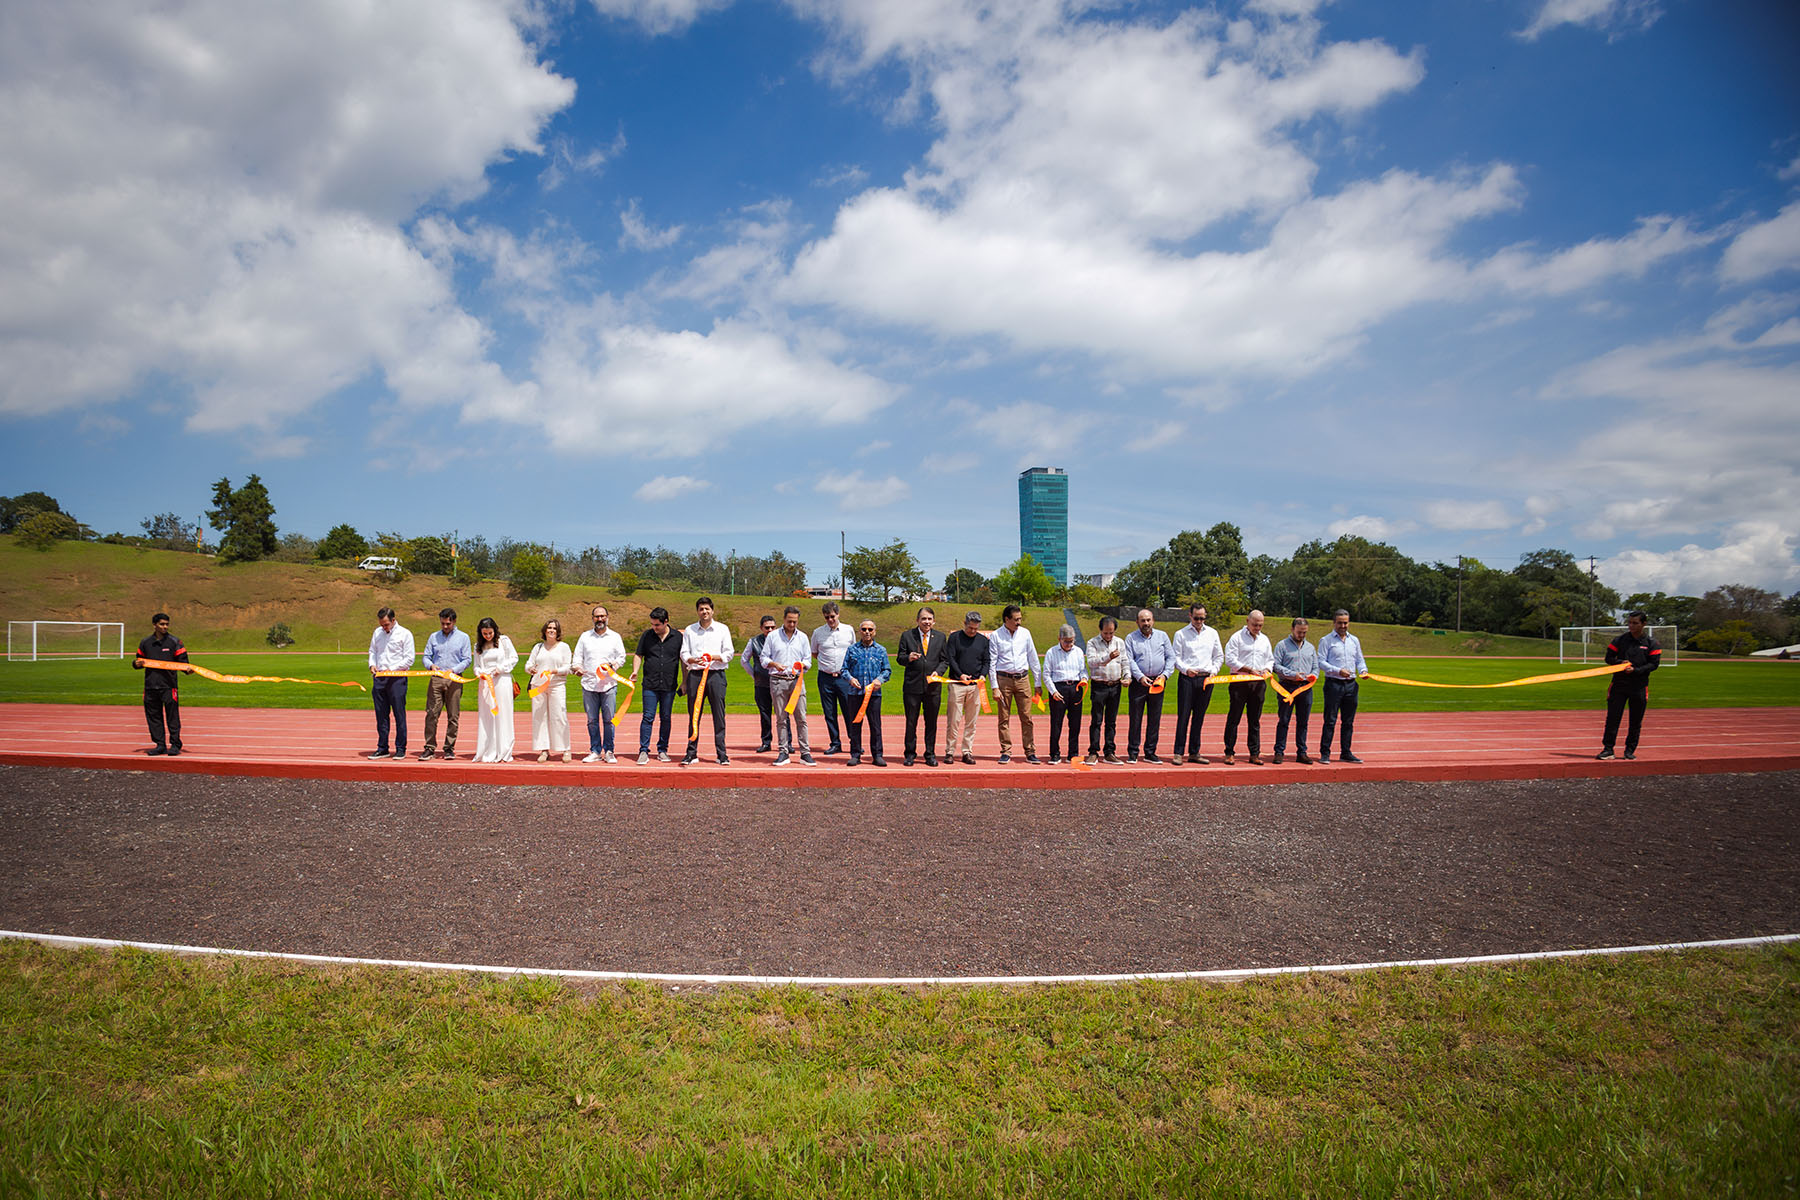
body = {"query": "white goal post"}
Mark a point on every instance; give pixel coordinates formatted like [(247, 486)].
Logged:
[(28, 641), (1587, 643)]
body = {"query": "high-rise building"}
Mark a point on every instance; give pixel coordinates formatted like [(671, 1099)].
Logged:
[(1044, 520)]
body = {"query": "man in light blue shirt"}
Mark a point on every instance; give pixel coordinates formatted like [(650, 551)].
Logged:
[(1340, 666), (446, 650), (1296, 662), (1150, 657)]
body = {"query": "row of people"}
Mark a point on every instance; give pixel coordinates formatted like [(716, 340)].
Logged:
[(851, 671)]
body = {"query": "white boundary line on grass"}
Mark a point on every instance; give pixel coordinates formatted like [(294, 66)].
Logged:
[(54, 939)]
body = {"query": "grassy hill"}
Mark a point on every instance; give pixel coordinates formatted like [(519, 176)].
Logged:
[(220, 607)]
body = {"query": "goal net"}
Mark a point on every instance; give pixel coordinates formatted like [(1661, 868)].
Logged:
[(1587, 643), (28, 641)]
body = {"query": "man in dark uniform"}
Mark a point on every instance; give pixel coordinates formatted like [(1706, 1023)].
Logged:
[(921, 652), (162, 705), (1629, 688)]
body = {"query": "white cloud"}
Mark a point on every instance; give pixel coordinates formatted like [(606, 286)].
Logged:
[(659, 16), (632, 383), (744, 268), (876, 447), (1596, 261), (1376, 529), (566, 159), (1037, 434), (638, 234), (1159, 436), (1466, 514), (1760, 553), (668, 487), (854, 492), (214, 192), (1773, 245), (1615, 17)]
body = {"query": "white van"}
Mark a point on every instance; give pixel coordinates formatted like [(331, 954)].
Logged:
[(378, 564)]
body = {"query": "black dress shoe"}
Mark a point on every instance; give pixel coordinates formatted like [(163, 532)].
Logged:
[(381, 754), (763, 749), (880, 761), (907, 761), (855, 760), (1278, 757), (833, 750), (931, 760), (1349, 758), (1300, 758), (1628, 754), (968, 760), (1604, 754), (174, 750), (1032, 759), (155, 751)]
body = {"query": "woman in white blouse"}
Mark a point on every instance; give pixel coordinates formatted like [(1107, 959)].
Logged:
[(549, 667), (495, 659)]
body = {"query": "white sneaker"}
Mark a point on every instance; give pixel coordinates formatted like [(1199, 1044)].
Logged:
[(610, 758), (591, 758), (781, 760)]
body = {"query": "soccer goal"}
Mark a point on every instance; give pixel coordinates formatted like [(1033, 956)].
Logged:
[(28, 641), (1587, 643)]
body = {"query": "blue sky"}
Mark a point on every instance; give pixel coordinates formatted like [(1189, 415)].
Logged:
[(1471, 277)]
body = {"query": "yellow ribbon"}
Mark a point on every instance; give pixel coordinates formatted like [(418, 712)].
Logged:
[(152, 664), (1590, 673), (1290, 697), (439, 673)]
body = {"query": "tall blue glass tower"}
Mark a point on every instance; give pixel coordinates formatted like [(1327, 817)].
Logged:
[(1044, 520)]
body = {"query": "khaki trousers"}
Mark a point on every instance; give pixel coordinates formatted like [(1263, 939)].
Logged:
[(1015, 693), (965, 703)]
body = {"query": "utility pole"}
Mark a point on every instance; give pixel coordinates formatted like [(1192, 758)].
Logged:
[(843, 561), (1459, 569), (1591, 580)]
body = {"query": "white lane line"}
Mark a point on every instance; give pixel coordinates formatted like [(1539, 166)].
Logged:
[(61, 940)]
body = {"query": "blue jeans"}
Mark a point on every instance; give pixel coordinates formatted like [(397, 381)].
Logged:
[(599, 707), (390, 700), (655, 703)]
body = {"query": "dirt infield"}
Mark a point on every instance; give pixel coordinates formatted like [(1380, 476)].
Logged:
[(865, 881)]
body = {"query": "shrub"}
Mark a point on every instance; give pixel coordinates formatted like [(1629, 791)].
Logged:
[(279, 635), (42, 530), (530, 576), (625, 582)]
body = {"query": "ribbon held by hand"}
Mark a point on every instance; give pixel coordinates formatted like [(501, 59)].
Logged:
[(699, 703), (867, 692), (799, 689), (152, 664)]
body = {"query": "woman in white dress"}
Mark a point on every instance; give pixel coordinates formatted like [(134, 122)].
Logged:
[(549, 669), (495, 659)]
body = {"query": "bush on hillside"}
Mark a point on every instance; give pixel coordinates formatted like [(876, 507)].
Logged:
[(42, 530), (625, 582), (530, 576), (279, 635), (342, 542)]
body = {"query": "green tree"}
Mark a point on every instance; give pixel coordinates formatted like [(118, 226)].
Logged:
[(168, 531), (342, 542), (882, 572), (1731, 637), (42, 530), (428, 556), (1093, 597), (1225, 600), (625, 582), (963, 582), (1023, 581), (1758, 609), (247, 519), (530, 578), (279, 635), (16, 510)]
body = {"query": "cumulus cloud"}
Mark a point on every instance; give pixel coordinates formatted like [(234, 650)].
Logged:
[(1760, 553), (1614, 17), (854, 492), (1036, 434), (1765, 248), (659, 16), (668, 487), (1598, 260), (201, 193), (1466, 514), (1376, 529)]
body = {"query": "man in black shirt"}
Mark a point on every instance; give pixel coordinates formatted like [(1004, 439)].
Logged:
[(752, 662), (921, 653), (162, 706), (1629, 688), (659, 660), (966, 660)]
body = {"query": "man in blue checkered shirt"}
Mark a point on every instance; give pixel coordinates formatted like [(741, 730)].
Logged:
[(866, 668)]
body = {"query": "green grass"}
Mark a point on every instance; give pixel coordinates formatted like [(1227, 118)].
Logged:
[(1697, 683), (140, 1074)]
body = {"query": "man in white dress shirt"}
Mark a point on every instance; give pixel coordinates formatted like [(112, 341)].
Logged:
[(1248, 653), (1065, 670), (599, 653), (1013, 670), (706, 653), (830, 642), (390, 649), (1109, 669), (1198, 657), (1341, 664), (786, 654)]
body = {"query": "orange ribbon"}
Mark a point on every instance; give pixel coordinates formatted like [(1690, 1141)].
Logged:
[(1290, 697), (985, 706), (868, 692), (619, 715), (540, 683), (699, 700), (799, 689), (1590, 673), (152, 664), (493, 694)]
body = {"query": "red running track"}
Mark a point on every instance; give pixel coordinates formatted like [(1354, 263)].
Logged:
[(335, 744)]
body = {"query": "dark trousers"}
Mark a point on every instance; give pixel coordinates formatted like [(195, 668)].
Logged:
[(871, 719), (927, 702), (162, 709), (833, 698), (656, 704), (1245, 697), (1300, 706), (1144, 704), (442, 697), (1618, 699), (713, 699), (1106, 709), (599, 706), (1191, 698), (390, 699), (765, 710), (1340, 701), (1069, 709)]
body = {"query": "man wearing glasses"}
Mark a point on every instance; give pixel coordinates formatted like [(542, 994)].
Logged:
[(866, 668), (751, 661), (598, 654)]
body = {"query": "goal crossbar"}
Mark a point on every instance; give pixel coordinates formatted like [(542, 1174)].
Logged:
[(1587, 643), (28, 641)]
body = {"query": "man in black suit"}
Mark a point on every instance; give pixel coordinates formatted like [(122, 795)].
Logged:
[(921, 653)]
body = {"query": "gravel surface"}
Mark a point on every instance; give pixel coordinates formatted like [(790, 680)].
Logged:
[(898, 881)]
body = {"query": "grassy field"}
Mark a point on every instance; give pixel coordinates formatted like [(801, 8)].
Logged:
[(1695, 684), (139, 1074)]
